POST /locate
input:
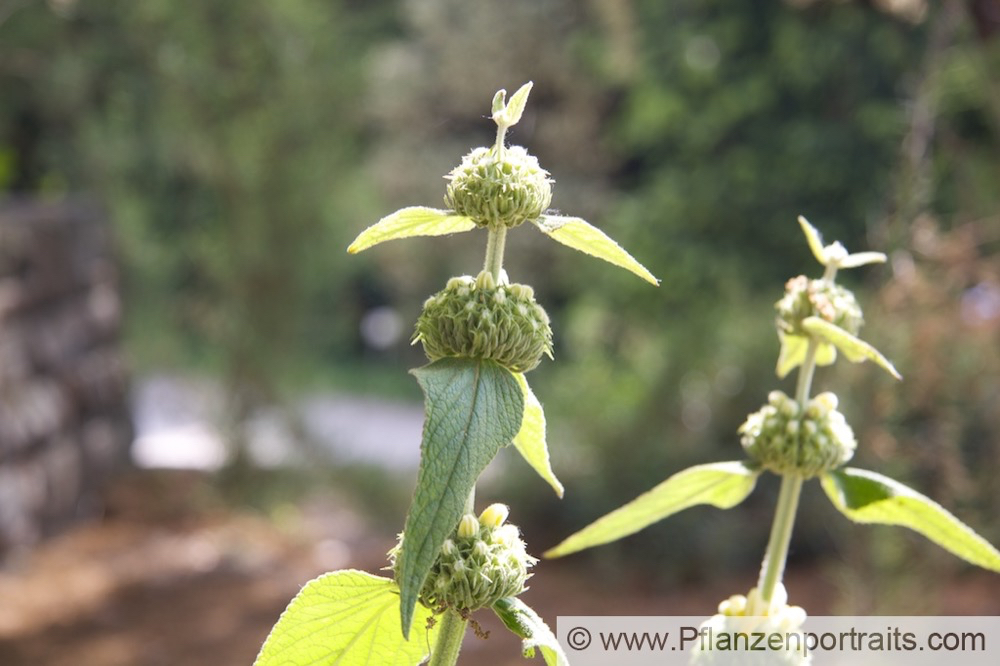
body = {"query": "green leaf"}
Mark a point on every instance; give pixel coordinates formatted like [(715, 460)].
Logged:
[(814, 239), (867, 497), (793, 353), (525, 622), (474, 408), (862, 259), (515, 108), (409, 222), (583, 236), (723, 485), (345, 617), (855, 349), (499, 103), (530, 439)]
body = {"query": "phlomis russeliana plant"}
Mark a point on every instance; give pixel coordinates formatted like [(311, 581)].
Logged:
[(481, 334), (799, 438)]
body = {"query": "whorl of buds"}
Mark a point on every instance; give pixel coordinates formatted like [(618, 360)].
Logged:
[(817, 298), (499, 190), (483, 561), (477, 318), (789, 440), (748, 614)]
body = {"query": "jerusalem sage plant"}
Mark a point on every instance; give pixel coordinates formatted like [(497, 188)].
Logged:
[(481, 335), (798, 438)]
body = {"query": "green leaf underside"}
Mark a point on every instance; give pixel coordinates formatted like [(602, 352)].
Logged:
[(346, 618), (855, 349), (582, 236), (410, 222), (474, 408), (723, 485), (793, 354), (525, 622), (867, 497), (515, 107), (530, 439), (814, 239)]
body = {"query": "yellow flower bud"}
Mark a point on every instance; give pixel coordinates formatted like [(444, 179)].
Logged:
[(494, 515), (468, 527)]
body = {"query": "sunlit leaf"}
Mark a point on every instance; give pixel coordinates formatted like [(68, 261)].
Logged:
[(347, 618), (499, 102), (530, 439), (862, 259), (409, 222), (515, 108), (855, 349), (723, 485), (474, 408), (583, 236), (867, 497), (793, 354), (814, 239), (525, 622)]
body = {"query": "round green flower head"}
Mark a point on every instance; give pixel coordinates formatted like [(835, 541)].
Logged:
[(789, 440), (817, 298), (483, 562), (499, 191), (477, 318)]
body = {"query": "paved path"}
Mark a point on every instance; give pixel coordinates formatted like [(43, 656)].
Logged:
[(178, 421)]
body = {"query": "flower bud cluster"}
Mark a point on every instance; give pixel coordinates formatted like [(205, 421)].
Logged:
[(483, 561), (501, 190), (817, 298), (477, 318), (749, 614), (787, 439)]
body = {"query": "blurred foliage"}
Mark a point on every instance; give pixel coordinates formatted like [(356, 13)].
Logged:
[(240, 144)]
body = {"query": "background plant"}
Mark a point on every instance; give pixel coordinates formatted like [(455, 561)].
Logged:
[(799, 438)]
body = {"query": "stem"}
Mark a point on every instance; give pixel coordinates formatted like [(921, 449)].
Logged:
[(494, 252), (781, 534), (449, 641), (776, 555), (806, 373), (501, 133)]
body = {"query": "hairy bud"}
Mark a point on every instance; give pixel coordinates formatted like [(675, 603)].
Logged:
[(495, 191), (817, 298), (788, 439), (483, 561), (480, 319)]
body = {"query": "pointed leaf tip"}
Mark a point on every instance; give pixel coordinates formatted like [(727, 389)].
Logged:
[(410, 222), (867, 497), (584, 237), (530, 440), (815, 240), (723, 485), (855, 349), (515, 108)]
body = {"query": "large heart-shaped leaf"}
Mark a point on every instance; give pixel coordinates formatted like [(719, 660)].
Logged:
[(474, 408), (525, 622), (347, 618), (723, 485), (409, 222), (581, 235), (867, 497)]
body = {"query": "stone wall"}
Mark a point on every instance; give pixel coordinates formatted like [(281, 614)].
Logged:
[(64, 421)]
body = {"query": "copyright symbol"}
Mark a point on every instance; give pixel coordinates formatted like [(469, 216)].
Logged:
[(578, 638)]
